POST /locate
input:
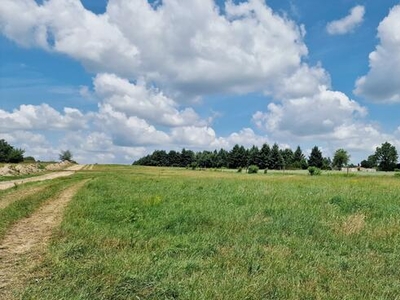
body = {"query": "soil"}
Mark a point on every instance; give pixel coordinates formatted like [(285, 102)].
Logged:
[(23, 169), (24, 246), (67, 172)]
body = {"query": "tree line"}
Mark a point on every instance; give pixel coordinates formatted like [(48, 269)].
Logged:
[(266, 157)]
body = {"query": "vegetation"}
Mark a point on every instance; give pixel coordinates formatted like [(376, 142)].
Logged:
[(65, 155), (315, 159), (9, 154), (237, 157), (157, 233), (268, 158), (340, 159), (314, 171), (26, 205), (253, 169), (386, 157)]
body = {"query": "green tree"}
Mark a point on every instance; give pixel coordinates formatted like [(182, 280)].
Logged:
[(222, 159), (287, 155), (326, 163), (276, 161), (65, 155), (370, 162), (9, 154), (187, 157), (264, 156), (315, 159), (174, 158), (299, 160), (340, 159), (253, 156), (386, 157)]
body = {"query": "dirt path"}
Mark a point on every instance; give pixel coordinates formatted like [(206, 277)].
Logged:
[(24, 245), (67, 172)]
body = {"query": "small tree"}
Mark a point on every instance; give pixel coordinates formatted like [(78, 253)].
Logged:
[(340, 159), (386, 157), (253, 169), (65, 155), (370, 162), (315, 159)]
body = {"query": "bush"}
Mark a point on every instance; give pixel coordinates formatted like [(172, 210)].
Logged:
[(239, 170), (253, 169), (314, 171), (397, 174)]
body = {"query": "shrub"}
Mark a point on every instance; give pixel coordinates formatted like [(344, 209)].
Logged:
[(253, 169), (397, 174), (240, 170), (314, 171)]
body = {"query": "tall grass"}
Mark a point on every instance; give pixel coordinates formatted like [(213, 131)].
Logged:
[(147, 233)]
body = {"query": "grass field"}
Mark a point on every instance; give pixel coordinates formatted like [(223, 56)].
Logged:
[(148, 233)]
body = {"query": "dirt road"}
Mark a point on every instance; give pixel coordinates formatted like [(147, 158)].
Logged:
[(67, 172), (25, 244)]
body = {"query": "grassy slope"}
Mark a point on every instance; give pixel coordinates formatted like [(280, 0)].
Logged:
[(143, 233)]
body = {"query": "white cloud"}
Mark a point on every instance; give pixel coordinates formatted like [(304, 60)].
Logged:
[(305, 82), (348, 23), (31, 117), (98, 147), (250, 48), (246, 137), (193, 136), (128, 130), (382, 83), (317, 115), (137, 100)]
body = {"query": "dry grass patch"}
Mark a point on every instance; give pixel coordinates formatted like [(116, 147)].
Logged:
[(19, 194), (354, 224)]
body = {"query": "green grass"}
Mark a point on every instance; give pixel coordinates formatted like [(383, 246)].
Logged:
[(148, 233), (27, 205)]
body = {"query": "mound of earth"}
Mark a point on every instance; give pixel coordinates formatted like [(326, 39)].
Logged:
[(26, 169)]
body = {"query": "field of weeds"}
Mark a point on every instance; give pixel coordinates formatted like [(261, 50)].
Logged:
[(154, 233)]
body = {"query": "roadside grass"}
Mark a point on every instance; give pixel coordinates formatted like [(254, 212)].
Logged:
[(26, 205), (158, 233)]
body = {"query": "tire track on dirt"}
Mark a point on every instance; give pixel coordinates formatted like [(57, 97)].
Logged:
[(67, 172), (24, 246)]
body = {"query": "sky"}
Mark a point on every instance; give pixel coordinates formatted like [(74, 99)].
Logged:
[(112, 81)]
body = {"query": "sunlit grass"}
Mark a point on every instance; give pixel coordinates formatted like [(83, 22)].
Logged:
[(159, 233)]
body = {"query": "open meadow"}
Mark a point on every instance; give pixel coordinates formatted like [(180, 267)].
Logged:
[(163, 233)]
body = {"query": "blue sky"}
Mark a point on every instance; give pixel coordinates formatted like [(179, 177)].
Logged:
[(113, 80)]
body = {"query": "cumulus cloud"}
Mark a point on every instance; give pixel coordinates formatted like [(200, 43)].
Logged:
[(348, 23), (35, 117), (98, 147), (128, 130), (142, 102), (248, 48), (382, 83), (317, 115), (246, 137)]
